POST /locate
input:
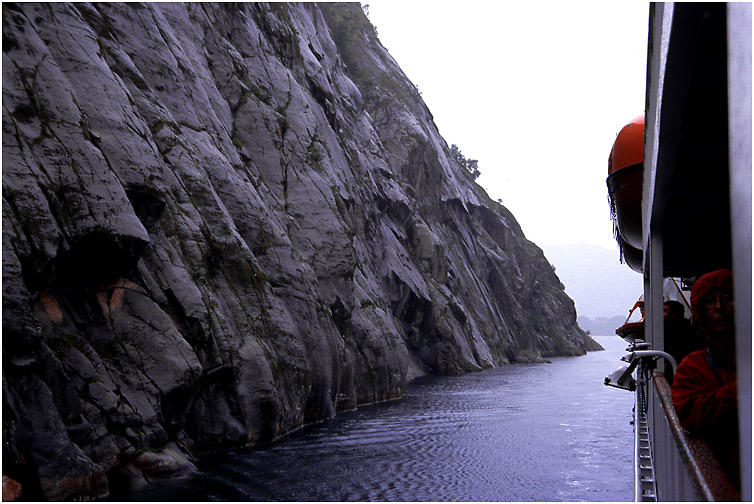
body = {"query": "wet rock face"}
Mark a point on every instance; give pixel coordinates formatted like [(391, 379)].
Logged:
[(222, 221)]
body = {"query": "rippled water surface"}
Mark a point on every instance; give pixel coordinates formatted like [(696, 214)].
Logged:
[(541, 432)]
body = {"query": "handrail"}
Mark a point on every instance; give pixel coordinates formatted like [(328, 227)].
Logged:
[(645, 487), (710, 482)]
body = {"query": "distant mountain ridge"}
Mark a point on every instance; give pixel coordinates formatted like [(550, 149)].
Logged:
[(601, 326)]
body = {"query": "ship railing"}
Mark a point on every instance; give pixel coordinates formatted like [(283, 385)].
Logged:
[(689, 471), (645, 489)]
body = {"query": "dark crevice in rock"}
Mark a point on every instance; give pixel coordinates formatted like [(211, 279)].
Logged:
[(148, 204), (100, 257), (324, 99)]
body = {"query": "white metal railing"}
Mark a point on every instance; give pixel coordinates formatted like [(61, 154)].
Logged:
[(644, 474)]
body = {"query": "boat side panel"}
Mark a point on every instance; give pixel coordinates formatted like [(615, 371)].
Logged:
[(740, 138)]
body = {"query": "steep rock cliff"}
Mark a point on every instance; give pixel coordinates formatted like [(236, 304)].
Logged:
[(223, 221)]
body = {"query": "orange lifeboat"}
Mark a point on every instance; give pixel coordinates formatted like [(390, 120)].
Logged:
[(624, 188), (633, 330)]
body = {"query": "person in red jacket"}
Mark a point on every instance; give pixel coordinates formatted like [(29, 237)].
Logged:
[(704, 389)]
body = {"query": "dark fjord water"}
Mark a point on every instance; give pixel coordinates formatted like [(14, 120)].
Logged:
[(542, 432)]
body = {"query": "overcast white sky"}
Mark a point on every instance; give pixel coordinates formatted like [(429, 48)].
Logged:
[(536, 92)]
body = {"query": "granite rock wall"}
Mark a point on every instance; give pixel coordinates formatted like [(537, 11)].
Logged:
[(224, 221)]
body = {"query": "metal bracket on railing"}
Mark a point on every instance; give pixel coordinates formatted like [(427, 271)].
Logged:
[(622, 377), (654, 354)]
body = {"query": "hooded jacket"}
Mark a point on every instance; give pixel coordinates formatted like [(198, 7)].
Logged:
[(704, 388)]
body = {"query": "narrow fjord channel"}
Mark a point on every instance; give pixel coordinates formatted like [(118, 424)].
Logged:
[(540, 432)]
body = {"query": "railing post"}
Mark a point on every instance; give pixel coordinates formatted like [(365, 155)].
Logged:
[(739, 137)]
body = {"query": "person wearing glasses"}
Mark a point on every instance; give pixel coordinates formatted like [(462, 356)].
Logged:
[(704, 388)]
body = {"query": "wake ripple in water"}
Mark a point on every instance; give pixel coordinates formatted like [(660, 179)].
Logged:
[(547, 432)]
